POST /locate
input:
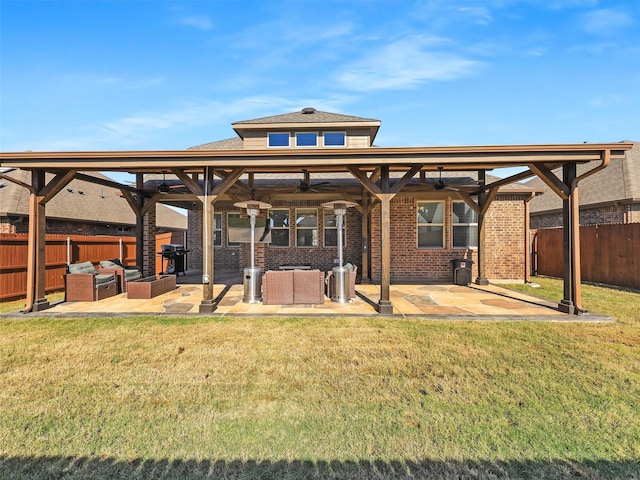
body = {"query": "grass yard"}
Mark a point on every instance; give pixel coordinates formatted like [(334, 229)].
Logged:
[(254, 398)]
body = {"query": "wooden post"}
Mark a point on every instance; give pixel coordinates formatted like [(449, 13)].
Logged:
[(364, 268), (482, 234), (208, 304), (36, 266), (384, 304), (567, 304)]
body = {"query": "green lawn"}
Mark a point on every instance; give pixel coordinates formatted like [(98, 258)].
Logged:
[(161, 397)]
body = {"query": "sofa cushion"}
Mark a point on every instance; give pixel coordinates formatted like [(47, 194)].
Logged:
[(82, 267), (109, 264), (131, 274), (103, 278)]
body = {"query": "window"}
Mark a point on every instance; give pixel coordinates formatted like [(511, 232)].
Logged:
[(334, 139), (306, 227), (331, 230), (233, 222), (465, 226), (278, 139), (123, 229), (279, 225), (306, 139), (217, 229), (430, 224)]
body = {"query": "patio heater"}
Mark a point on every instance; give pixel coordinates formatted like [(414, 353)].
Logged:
[(340, 273), (252, 280)]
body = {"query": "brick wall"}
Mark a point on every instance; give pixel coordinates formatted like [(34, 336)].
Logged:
[(150, 253), (505, 239), (505, 243), (603, 215), (270, 257), (64, 227), (505, 236)]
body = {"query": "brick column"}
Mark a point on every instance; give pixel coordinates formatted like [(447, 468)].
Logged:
[(149, 251)]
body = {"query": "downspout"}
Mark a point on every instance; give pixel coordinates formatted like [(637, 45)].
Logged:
[(575, 208)]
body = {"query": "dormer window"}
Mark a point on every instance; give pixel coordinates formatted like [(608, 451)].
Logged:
[(306, 139), (335, 139), (278, 140)]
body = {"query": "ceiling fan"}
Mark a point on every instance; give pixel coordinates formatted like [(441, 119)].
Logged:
[(306, 185), (439, 184), (165, 188)]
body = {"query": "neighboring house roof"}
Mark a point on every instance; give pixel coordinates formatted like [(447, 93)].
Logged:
[(309, 117), (82, 201), (619, 182), (234, 143)]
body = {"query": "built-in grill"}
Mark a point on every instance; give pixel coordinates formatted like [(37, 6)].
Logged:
[(174, 255)]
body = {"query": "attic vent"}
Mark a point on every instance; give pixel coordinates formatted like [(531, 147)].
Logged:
[(308, 110)]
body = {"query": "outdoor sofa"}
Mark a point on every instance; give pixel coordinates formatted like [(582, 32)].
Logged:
[(83, 283), (123, 273), (292, 287)]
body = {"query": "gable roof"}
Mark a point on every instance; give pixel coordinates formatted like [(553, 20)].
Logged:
[(82, 201), (619, 182), (307, 117)]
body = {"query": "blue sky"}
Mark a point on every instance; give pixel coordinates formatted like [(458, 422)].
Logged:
[(130, 75)]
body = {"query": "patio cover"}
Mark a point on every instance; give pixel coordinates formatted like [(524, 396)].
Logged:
[(372, 167)]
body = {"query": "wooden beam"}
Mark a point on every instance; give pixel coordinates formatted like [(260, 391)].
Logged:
[(469, 201), (548, 177), (365, 181), (131, 200), (486, 203), (107, 183), (512, 179), (150, 203), (222, 187), (56, 184), (406, 178), (188, 182)]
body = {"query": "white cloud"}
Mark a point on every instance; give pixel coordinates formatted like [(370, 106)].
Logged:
[(606, 21), (405, 64), (197, 21), (138, 131)]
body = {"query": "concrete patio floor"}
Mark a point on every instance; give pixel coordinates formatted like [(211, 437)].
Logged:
[(472, 302)]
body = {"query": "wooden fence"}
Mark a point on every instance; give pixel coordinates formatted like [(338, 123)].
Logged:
[(63, 249), (609, 254)]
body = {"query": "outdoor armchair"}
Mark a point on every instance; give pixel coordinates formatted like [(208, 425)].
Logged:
[(84, 283), (124, 274)]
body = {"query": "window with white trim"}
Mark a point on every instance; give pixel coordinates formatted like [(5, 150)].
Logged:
[(217, 229), (465, 226), (278, 139), (306, 227), (233, 221), (279, 226), (430, 216), (306, 139), (335, 139), (331, 230)]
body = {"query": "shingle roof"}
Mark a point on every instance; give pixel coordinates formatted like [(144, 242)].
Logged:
[(234, 143), (315, 116), (620, 181), (81, 200)]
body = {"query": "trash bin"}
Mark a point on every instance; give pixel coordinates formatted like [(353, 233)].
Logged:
[(461, 271)]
